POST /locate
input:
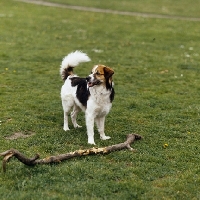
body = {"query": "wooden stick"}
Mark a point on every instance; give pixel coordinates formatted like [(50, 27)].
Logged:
[(55, 159)]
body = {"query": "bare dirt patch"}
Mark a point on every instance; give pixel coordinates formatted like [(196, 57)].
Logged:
[(20, 135)]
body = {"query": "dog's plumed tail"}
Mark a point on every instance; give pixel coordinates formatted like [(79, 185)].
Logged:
[(70, 61)]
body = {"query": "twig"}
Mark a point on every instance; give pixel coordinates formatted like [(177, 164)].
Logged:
[(55, 159)]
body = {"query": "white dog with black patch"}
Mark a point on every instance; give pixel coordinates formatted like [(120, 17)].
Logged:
[(93, 94)]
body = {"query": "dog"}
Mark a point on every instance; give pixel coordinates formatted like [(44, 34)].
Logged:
[(93, 94)]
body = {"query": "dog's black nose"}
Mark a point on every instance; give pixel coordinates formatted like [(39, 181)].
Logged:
[(88, 78)]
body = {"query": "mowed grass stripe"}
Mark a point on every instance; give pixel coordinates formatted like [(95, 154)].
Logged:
[(98, 10)]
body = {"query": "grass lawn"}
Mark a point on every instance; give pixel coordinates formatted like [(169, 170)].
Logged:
[(156, 63), (166, 7)]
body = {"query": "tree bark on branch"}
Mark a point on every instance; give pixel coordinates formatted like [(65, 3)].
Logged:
[(56, 159)]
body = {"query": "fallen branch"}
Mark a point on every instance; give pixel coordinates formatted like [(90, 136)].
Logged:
[(55, 159)]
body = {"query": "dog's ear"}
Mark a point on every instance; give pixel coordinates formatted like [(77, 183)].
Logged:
[(108, 72)]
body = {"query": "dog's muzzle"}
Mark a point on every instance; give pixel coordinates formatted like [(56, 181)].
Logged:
[(92, 83)]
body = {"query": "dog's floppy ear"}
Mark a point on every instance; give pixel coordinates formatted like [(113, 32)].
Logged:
[(108, 72)]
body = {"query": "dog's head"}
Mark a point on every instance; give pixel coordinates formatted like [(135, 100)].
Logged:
[(100, 74)]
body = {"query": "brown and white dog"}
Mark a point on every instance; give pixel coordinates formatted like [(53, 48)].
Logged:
[(93, 94)]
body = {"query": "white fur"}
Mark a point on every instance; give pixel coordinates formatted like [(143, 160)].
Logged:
[(73, 59), (98, 104)]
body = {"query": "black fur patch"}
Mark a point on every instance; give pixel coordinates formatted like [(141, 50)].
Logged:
[(112, 95), (109, 87), (82, 93)]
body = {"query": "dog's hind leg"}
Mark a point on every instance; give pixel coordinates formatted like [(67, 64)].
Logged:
[(65, 127), (67, 104), (74, 114), (100, 121)]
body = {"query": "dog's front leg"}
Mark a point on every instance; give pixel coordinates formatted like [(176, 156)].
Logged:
[(100, 125), (90, 128)]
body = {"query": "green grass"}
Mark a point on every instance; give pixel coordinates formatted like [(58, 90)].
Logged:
[(165, 7), (156, 63)]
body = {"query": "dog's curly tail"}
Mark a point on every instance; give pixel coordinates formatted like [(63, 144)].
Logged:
[(70, 61)]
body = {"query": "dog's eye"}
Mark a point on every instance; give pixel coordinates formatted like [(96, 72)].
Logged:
[(98, 74)]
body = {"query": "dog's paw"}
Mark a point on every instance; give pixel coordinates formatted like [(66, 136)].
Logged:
[(91, 141), (66, 129), (77, 126), (105, 137)]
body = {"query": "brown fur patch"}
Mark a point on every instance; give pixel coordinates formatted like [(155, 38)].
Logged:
[(103, 72), (68, 71)]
